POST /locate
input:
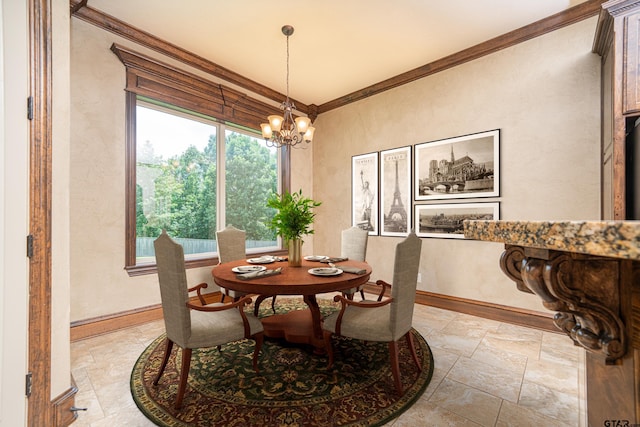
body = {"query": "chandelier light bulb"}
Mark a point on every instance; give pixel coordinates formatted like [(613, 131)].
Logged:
[(266, 130), (303, 124), (276, 123)]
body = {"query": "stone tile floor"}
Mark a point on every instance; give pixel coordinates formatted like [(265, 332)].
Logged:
[(486, 373)]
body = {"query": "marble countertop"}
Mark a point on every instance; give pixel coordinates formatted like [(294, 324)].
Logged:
[(616, 239)]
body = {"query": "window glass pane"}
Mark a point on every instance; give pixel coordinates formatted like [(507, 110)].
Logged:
[(176, 180), (251, 175)]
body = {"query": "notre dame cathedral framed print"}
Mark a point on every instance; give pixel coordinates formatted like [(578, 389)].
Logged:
[(461, 167)]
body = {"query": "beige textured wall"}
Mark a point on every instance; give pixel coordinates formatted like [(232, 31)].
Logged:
[(14, 211), (100, 285), (544, 96), (60, 236), (302, 178)]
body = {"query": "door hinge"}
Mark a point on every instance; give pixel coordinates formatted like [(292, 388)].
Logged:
[(27, 389), (30, 245), (30, 108)]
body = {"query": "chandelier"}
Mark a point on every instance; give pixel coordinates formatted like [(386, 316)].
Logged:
[(287, 131)]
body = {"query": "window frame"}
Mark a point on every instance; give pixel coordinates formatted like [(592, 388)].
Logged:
[(152, 79)]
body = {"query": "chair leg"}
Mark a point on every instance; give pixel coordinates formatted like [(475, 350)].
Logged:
[(412, 349), (362, 294), (395, 365), (184, 374), (259, 338), (273, 304), (328, 347), (165, 359)]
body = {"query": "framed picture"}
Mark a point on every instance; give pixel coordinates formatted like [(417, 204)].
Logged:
[(445, 220), (395, 192), (461, 167), (364, 189)]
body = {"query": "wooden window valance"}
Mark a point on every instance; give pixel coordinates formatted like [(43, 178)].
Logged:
[(151, 78)]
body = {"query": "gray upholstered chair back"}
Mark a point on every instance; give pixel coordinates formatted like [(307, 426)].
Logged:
[(405, 280), (173, 288), (354, 243), (231, 244)]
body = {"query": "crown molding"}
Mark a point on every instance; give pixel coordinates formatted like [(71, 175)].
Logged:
[(538, 28), (80, 10)]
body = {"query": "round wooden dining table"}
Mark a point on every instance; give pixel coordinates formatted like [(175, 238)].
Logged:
[(298, 326)]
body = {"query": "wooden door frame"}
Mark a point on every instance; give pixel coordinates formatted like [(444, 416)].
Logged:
[(39, 412)]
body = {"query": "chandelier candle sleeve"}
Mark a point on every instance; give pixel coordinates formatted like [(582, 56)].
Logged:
[(286, 130)]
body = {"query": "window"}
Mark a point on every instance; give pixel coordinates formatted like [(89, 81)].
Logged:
[(183, 186), (193, 185)]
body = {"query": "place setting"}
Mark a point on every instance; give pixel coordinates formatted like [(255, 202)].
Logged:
[(325, 271), (266, 259), (316, 258), (332, 270), (248, 268), (259, 273), (254, 271)]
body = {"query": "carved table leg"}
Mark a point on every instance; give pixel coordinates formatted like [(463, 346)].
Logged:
[(316, 318)]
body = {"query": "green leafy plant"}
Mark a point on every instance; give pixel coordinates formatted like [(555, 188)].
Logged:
[(294, 216)]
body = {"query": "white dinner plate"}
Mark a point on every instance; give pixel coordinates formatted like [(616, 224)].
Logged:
[(248, 268), (261, 260), (325, 271), (315, 257)]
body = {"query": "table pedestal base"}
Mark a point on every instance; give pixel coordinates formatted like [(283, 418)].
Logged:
[(295, 327)]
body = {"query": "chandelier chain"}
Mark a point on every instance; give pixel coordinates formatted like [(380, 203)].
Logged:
[(287, 68)]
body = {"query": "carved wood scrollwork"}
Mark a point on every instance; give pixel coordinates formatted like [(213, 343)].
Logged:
[(511, 264), (582, 290)]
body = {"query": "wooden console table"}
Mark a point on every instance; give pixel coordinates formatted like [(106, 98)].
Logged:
[(589, 274)]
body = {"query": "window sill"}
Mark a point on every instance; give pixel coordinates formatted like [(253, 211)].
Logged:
[(151, 268)]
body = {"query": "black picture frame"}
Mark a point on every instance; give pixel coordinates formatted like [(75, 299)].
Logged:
[(395, 191), (462, 167), (445, 220), (364, 192)]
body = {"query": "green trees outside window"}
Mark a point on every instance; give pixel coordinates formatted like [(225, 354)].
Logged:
[(183, 186)]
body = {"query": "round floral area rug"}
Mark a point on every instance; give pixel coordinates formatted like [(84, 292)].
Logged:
[(294, 386)]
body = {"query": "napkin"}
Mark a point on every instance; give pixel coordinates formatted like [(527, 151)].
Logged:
[(352, 270), (334, 259), (257, 274)]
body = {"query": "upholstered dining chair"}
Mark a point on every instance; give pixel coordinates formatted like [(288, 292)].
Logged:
[(231, 247), (193, 326), (354, 246), (388, 320)]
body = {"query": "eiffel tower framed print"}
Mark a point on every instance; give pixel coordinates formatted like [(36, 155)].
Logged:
[(395, 191)]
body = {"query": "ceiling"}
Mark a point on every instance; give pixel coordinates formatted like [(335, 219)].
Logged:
[(338, 47)]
